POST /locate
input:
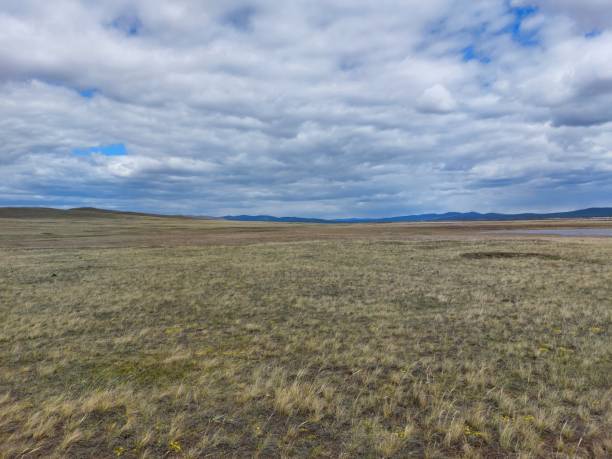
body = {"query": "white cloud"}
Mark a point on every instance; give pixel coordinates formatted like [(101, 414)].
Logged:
[(436, 99)]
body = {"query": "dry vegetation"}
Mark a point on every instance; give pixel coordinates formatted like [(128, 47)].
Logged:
[(120, 338)]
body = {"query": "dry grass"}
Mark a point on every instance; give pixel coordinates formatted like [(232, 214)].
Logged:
[(361, 345)]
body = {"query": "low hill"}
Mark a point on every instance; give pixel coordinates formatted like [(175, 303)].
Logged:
[(79, 212)]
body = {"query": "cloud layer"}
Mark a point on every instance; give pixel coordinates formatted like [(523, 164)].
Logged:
[(316, 108)]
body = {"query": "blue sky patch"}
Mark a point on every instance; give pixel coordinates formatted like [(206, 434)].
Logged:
[(520, 36), (470, 53), (131, 25), (88, 93), (116, 149), (593, 33)]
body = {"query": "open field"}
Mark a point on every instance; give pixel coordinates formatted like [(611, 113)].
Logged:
[(142, 337), (123, 231)]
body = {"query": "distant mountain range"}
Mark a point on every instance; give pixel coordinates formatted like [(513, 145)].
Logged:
[(594, 212), (91, 212)]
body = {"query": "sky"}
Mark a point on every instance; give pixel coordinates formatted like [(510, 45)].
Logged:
[(316, 108)]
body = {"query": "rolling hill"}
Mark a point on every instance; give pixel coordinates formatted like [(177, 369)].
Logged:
[(79, 212)]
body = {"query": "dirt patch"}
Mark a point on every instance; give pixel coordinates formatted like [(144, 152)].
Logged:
[(505, 255)]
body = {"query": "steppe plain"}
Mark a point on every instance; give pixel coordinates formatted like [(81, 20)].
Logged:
[(137, 336)]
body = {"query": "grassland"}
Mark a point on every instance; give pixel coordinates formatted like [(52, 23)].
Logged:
[(144, 337)]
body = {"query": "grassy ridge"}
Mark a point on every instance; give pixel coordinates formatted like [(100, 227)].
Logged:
[(346, 348), (77, 212)]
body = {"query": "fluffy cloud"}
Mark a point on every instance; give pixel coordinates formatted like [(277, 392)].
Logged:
[(331, 108), (436, 99)]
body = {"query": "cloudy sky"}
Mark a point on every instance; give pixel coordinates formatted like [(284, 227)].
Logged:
[(328, 108)]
